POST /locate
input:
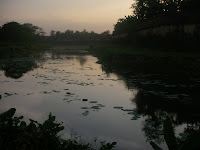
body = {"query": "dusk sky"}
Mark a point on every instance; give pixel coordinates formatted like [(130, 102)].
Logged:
[(92, 15)]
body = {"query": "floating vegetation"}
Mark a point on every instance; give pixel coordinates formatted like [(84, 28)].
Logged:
[(159, 132), (93, 102), (85, 108), (118, 107), (8, 94), (95, 107), (132, 113), (69, 101), (45, 92), (151, 123), (56, 91), (86, 113), (134, 118), (30, 93), (100, 105), (128, 110)]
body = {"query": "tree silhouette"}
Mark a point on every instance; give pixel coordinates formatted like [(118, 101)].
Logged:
[(14, 32)]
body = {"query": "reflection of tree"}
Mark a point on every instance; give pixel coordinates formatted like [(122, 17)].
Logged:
[(17, 69), (55, 55), (154, 105), (82, 60), (150, 128), (163, 116), (160, 97)]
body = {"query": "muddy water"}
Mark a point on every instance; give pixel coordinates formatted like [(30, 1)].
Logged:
[(90, 102)]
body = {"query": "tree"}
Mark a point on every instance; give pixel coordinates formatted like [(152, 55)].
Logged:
[(148, 9), (13, 31)]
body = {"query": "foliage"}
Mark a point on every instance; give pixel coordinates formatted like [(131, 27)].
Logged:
[(148, 10), (188, 140), (124, 25), (106, 146), (77, 35), (145, 9), (15, 32), (17, 134)]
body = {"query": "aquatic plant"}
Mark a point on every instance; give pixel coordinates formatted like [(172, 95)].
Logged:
[(17, 134)]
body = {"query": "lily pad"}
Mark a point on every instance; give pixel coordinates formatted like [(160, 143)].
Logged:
[(128, 110), (45, 92), (131, 113), (84, 108), (159, 132), (55, 91), (85, 113), (134, 118), (100, 105), (183, 134), (118, 107), (151, 123), (137, 116), (8, 94), (95, 107)]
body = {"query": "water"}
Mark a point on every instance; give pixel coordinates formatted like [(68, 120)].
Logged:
[(90, 101)]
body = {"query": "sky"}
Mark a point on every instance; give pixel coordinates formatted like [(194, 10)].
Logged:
[(60, 15)]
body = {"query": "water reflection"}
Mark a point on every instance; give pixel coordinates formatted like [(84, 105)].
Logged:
[(160, 97), (16, 69), (82, 60), (93, 98)]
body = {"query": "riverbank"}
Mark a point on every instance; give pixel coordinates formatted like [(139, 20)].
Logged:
[(144, 60), (167, 78), (21, 49)]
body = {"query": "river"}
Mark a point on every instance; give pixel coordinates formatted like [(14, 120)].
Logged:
[(91, 102)]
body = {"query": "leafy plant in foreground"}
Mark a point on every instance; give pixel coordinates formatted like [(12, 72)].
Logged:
[(16, 134)]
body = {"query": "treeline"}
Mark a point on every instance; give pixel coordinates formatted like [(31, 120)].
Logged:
[(69, 35), (16, 32), (144, 10)]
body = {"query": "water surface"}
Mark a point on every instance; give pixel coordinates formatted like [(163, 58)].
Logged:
[(89, 101)]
